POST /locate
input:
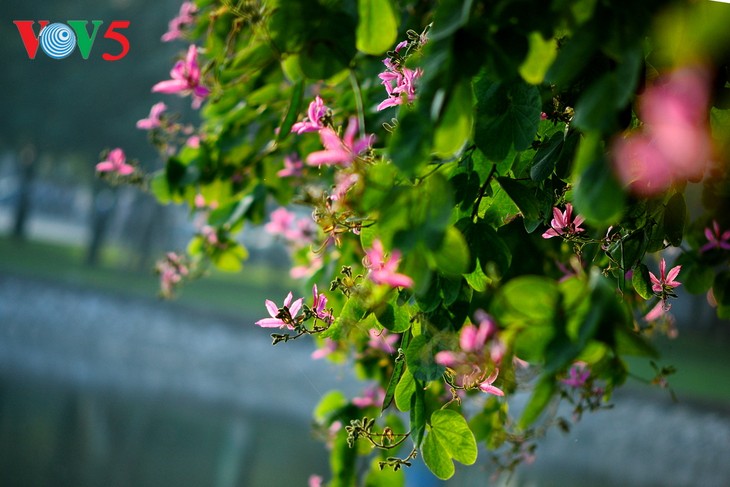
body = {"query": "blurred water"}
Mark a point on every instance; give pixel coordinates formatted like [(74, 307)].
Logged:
[(98, 390)]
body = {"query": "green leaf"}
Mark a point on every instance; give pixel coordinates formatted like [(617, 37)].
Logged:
[(455, 125), (329, 405), (292, 111), (420, 359), (629, 342), (541, 55), (377, 28), (452, 259), (418, 413), (642, 282), (541, 397), (528, 298), (598, 196), (508, 115), (696, 276), (527, 196), (395, 377), (404, 391), (410, 147), (546, 157), (675, 215), (230, 259), (449, 437), (393, 317)]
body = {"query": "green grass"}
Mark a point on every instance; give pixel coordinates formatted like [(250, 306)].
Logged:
[(240, 293)]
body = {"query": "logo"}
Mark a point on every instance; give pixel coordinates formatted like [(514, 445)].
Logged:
[(59, 40)]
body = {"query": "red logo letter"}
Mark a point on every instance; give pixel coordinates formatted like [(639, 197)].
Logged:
[(120, 38), (30, 40)]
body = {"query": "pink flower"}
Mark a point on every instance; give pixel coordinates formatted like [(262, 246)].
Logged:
[(343, 183), (577, 375), (715, 238), (285, 223), (153, 121), (471, 362), (193, 141), (673, 145), (171, 269), (400, 84), (372, 396), (487, 386), (314, 122), (666, 282), (383, 269), (656, 312), (293, 167), (382, 340), (281, 320), (315, 481), (184, 18), (319, 305), (306, 271), (185, 79), (340, 151), (116, 162), (328, 347), (563, 223)]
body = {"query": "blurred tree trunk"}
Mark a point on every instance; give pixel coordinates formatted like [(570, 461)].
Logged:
[(102, 211), (26, 173)]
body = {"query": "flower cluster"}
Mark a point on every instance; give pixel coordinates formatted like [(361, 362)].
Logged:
[(474, 366), (398, 80), (184, 18), (284, 223), (172, 269)]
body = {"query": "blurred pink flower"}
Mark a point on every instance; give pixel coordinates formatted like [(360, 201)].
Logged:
[(293, 167), (315, 481), (673, 145), (716, 239), (383, 269), (328, 347), (183, 19), (285, 224), (185, 79), (153, 120), (382, 340), (372, 396), (116, 162), (563, 223), (577, 375), (314, 120), (338, 151)]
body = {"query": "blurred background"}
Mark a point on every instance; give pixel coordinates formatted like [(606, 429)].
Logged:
[(103, 384)]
